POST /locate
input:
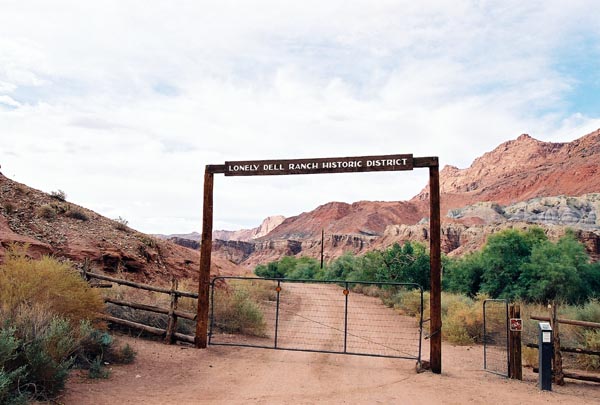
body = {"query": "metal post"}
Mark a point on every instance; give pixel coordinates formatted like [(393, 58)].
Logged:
[(278, 289), (346, 293), (322, 245), (545, 356), (212, 310), (484, 337)]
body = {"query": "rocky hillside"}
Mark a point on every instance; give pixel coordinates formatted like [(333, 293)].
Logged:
[(362, 218), (523, 181), (50, 225), (523, 169)]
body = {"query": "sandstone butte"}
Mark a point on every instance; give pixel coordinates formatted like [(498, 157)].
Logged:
[(517, 184)]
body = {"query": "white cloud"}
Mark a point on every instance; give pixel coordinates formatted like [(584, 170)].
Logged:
[(121, 104)]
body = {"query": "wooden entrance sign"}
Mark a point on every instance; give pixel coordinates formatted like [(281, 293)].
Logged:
[(401, 162)]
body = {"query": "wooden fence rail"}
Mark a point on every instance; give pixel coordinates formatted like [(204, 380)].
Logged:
[(170, 335), (557, 369)]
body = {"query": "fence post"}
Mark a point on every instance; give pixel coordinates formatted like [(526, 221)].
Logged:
[(515, 370), (557, 368), (205, 259), (172, 325), (85, 269)]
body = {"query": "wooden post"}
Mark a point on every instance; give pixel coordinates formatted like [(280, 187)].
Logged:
[(172, 325), (558, 376), (205, 252), (322, 245), (515, 370), (435, 301), (85, 269)]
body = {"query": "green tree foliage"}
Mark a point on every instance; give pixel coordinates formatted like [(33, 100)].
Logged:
[(503, 256), (464, 275), (407, 264), (559, 271), (525, 265), (302, 268)]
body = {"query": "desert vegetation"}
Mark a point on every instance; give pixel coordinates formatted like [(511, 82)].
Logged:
[(48, 325), (521, 266)]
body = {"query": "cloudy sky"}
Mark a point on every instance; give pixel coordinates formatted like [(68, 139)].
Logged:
[(122, 103)]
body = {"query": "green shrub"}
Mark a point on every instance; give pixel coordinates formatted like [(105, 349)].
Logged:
[(10, 375), (48, 356), (97, 369)]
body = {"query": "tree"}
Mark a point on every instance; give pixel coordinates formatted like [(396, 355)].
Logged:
[(558, 271), (502, 258), (464, 275), (406, 264)]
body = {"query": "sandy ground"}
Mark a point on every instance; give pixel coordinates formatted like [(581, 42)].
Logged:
[(165, 374)]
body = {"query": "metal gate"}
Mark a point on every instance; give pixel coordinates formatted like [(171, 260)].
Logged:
[(495, 336), (344, 317)]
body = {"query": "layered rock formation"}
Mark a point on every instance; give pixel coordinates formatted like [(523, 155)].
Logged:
[(523, 169)]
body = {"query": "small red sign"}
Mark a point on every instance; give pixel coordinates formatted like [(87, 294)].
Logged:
[(516, 324)]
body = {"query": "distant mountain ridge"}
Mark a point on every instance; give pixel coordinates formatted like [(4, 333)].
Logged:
[(521, 181)]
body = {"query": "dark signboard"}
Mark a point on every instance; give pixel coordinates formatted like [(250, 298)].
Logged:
[(319, 165)]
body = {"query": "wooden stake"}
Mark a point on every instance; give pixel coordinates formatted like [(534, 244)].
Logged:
[(205, 252), (435, 301), (557, 368), (514, 346), (172, 325)]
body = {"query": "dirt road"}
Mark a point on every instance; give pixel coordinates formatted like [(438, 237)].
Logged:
[(230, 375)]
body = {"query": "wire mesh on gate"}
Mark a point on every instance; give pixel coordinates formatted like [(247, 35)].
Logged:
[(495, 336), (318, 316)]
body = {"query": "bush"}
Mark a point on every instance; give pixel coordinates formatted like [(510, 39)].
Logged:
[(409, 302), (124, 355), (59, 195), (97, 369), (462, 318), (46, 315), (46, 211), (10, 376), (77, 213), (121, 224), (591, 342), (236, 312), (55, 286), (9, 208)]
